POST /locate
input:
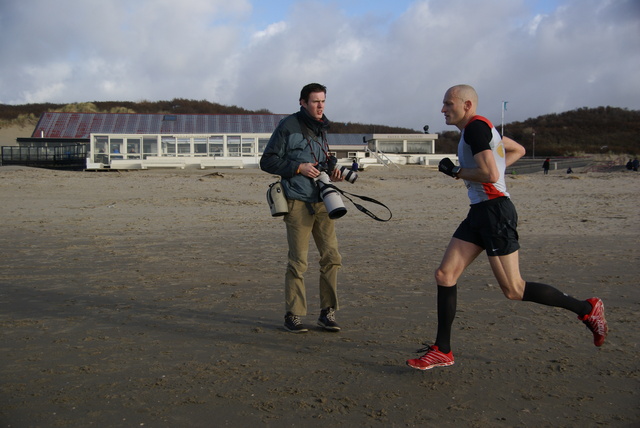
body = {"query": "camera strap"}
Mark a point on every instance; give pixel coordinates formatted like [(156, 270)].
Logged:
[(307, 132), (360, 207)]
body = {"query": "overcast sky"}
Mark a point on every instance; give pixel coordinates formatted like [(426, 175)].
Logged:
[(385, 62)]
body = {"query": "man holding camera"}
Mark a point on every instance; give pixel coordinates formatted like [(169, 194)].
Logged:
[(298, 152), (490, 226)]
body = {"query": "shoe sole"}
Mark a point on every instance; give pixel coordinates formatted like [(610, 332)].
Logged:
[(431, 366), (599, 339), (328, 328), (302, 330)]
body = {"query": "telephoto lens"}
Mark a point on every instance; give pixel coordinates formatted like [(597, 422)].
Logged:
[(348, 174), (332, 200)]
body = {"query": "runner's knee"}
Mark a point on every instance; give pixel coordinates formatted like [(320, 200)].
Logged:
[(512, 291), (443, 278)]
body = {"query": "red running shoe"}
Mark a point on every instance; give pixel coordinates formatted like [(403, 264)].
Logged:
[(433, 358), (595, 321)]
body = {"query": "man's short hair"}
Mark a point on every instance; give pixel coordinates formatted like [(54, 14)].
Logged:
[(466, 93), (311, 87)]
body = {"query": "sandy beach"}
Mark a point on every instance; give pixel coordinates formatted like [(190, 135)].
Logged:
[(155, 298)]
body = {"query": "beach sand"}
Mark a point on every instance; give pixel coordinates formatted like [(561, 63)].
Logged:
[(155, 298)]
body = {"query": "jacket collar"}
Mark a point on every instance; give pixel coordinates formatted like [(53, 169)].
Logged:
[(315, 126)]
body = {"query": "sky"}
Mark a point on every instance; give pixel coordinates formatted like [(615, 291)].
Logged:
[(383, 62)]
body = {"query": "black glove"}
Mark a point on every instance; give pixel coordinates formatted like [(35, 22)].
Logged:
[(447, 166)]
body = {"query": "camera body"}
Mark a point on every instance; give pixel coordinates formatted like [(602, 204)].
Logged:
[(330, 164), (331, 198)]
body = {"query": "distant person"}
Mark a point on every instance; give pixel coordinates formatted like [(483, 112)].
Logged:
[(635, 164), (569, 170), (630, 165), (545, 166), (297, 151), (490, 226), (354, 165)]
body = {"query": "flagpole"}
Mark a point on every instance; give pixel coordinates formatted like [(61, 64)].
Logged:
[(504, 107)]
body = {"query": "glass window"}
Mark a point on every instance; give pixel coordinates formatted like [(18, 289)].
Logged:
[(101, 148), (200, 146), (216, 145), (149, 146), (247, 146), (262, 143), (418, 147), (168, 145), (184, 146), (390, 146), (233, 145), (101, 144), (133, 145), (116, 145)]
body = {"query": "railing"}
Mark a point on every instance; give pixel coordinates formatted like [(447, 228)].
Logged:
[(530, 166), (382, 158), (61, 157)]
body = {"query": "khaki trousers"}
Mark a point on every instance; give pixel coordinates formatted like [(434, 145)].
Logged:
[(301, 225)]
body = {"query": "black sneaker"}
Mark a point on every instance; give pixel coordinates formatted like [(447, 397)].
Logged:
[(293, 324), (327, 320)]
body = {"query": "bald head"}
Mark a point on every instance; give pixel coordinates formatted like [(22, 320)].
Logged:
[(465, 93), (459, 105)]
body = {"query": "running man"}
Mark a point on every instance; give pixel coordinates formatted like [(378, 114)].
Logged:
[(490, 226)]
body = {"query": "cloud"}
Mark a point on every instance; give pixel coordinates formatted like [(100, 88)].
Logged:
[(271, 31), (386, 68)]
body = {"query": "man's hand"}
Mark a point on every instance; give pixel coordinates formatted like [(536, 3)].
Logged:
[(336, 175), (309, 170), (447, 166)]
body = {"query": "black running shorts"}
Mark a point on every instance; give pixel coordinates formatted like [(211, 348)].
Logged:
[(491, 225)]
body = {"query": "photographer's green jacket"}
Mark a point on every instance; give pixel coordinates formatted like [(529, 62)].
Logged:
[(297, 139)]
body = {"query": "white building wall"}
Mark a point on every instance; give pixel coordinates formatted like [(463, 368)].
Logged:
[(138, 151)]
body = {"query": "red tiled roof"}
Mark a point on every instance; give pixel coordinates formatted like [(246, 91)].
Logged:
[(80, 125)]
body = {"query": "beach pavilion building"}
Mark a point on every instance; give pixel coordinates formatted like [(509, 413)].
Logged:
[(141, 141)]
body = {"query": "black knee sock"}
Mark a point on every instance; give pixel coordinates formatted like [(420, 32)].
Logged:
[(447, 302), (547, 295)]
